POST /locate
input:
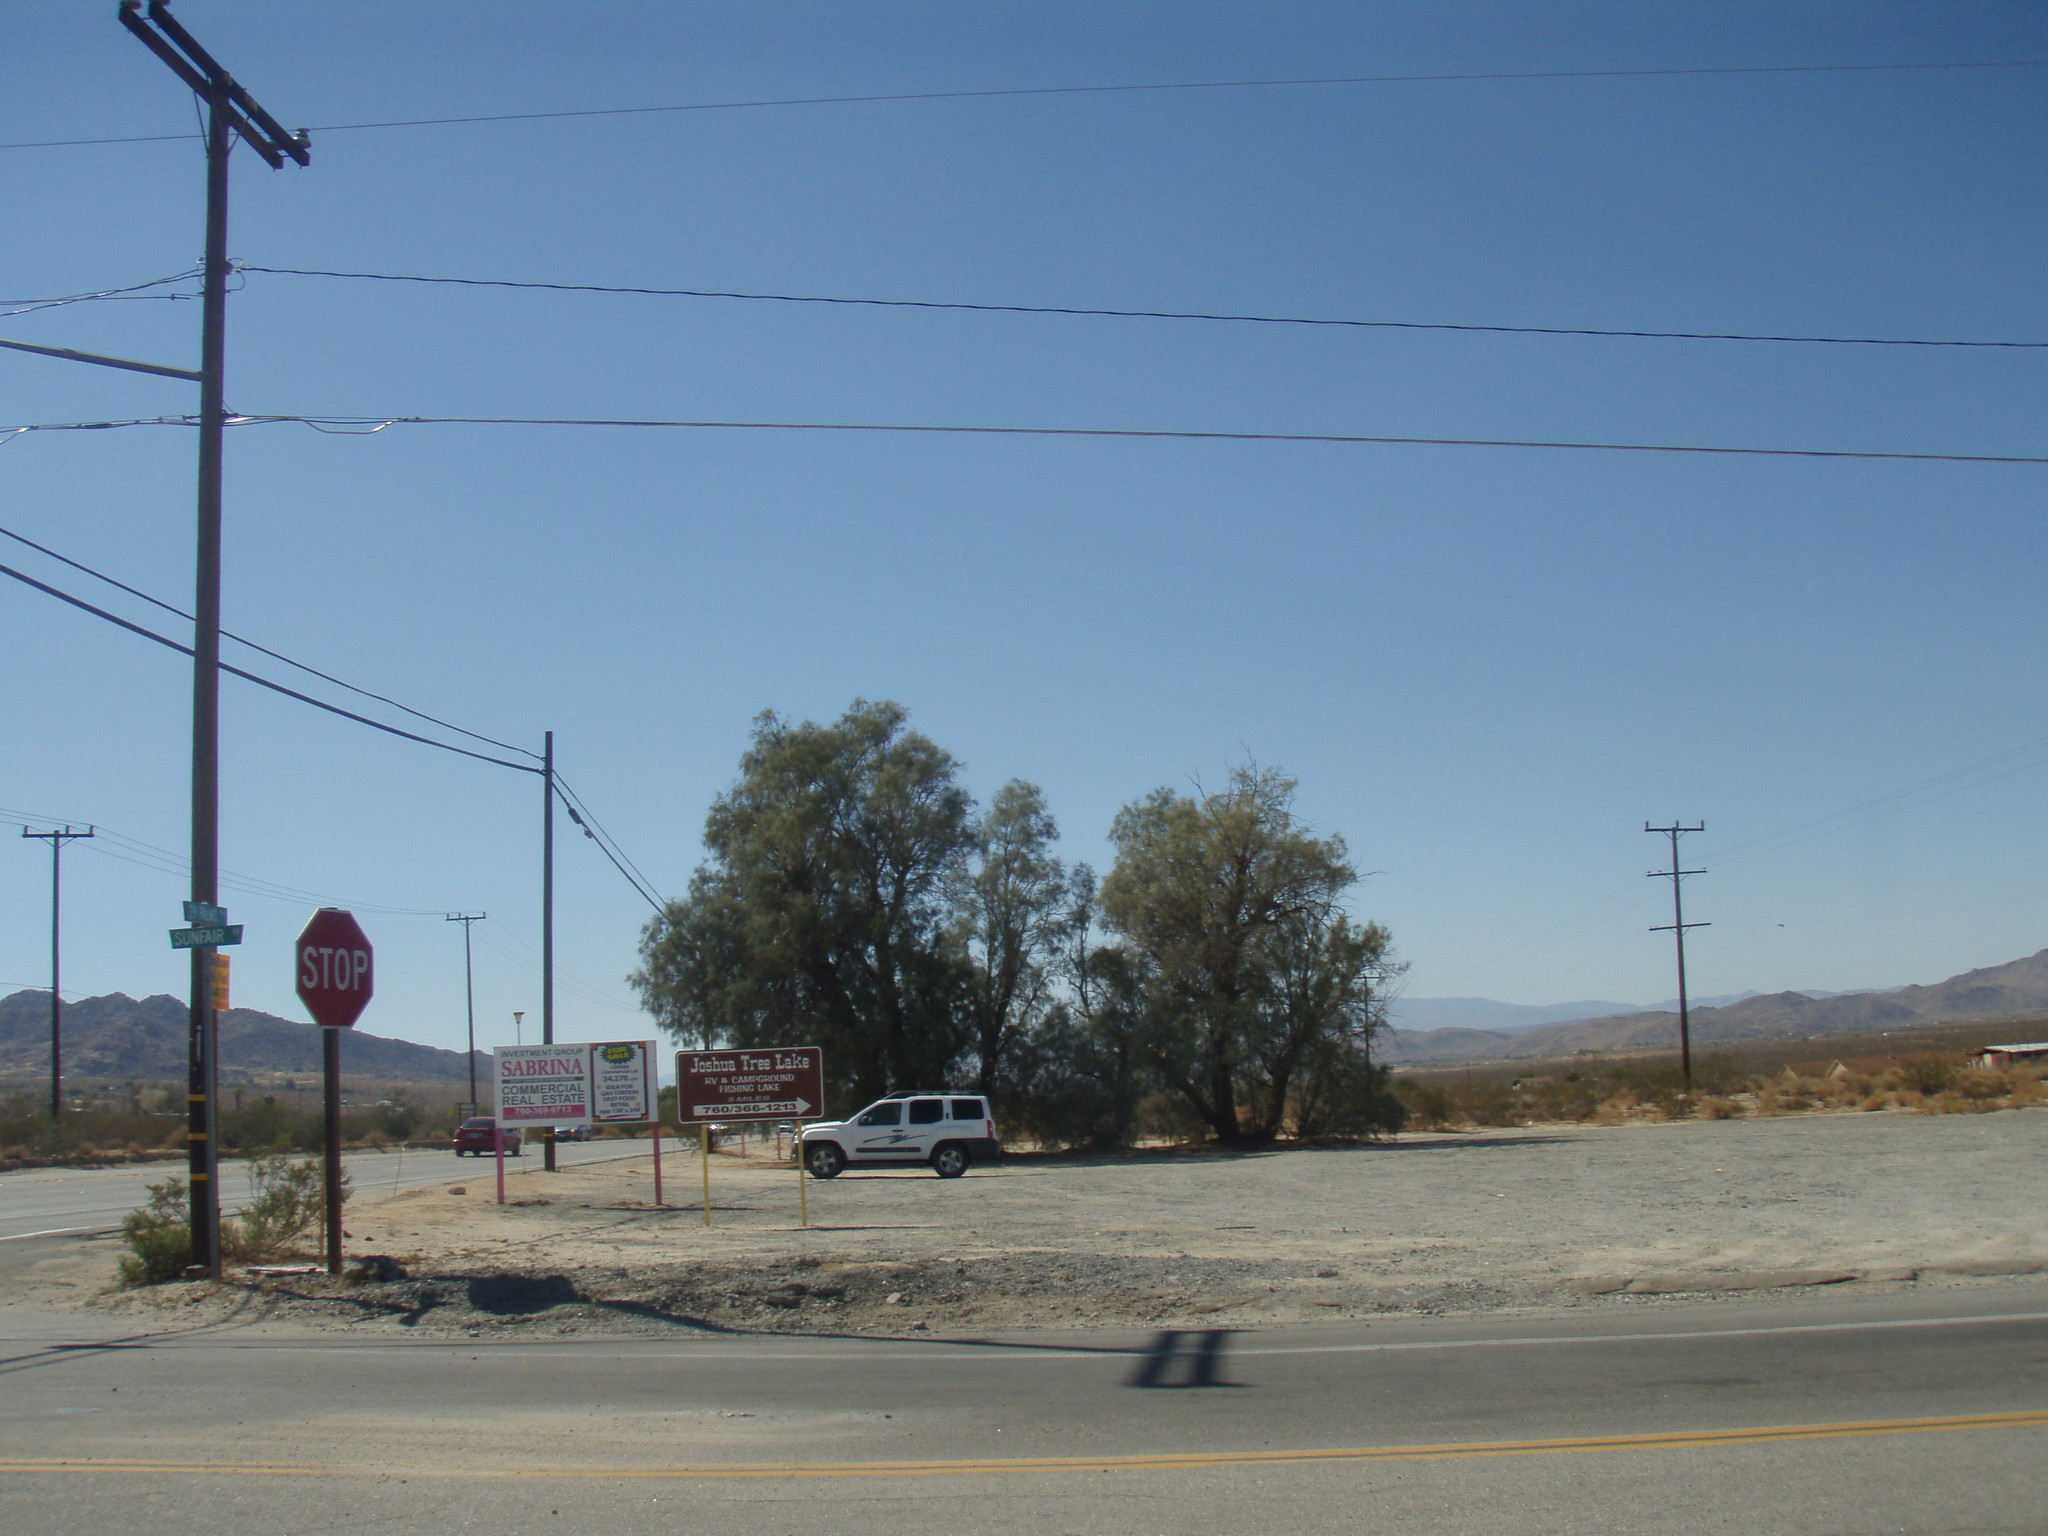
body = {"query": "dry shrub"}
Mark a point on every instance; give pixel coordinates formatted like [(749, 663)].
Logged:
[(1927, 1074), (2027, 1090), (1978, 1083), (1953, 1103), (1616, 1110), (1718, 1109)]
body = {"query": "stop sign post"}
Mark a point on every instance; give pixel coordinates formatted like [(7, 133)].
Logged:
[(336, 975)]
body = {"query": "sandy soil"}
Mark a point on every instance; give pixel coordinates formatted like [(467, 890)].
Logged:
[(1578, 1215)]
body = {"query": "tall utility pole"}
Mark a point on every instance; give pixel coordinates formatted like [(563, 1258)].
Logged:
[(231, 113), (1676, 928), (547, 923), (469, 991), (56, 840)]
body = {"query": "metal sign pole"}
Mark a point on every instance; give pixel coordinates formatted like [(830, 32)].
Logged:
[(330, 1066), (704, 1145), (657, 1161), (803, 1188)]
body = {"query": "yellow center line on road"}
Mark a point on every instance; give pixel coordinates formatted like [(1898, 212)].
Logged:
[(1157, 1462)]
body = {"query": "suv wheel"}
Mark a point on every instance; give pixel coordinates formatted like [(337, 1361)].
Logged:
[(824, 1160), (949, 1161)]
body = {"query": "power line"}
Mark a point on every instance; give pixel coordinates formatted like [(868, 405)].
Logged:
[(370, 425), (265, 650), (1144, 314), (1084, 90), (261, 682), (607, 845), (149, 856), (29, 306), (578, 811)]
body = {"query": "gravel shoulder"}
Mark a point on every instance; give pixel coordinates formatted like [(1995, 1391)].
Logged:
[(1574, 1216)]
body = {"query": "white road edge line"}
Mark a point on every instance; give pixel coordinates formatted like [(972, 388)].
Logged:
[(15, 1237), (1003, 1351)]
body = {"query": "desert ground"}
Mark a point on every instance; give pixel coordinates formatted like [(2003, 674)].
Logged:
[(1572, 1216)]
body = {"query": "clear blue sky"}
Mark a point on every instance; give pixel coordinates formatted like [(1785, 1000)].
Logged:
[(1486, 667)]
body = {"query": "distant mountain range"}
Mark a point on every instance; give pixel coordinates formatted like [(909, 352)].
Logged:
[(2016, 989), (1427, 1013), (121, 1038)]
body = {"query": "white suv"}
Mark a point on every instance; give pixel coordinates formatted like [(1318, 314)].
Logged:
[(949, 1131)]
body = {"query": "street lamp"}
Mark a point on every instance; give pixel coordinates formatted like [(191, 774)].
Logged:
[(518, 1016)]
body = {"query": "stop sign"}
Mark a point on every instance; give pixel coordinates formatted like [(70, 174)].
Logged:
[(335, 973)]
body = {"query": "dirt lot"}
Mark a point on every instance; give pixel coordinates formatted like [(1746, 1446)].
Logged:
[(1579, 1215)]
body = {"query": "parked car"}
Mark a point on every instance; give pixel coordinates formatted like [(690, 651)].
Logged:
[(478, 1136), (949, 1132)]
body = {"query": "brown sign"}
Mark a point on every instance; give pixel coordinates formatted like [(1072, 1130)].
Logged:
[(786, 1082)]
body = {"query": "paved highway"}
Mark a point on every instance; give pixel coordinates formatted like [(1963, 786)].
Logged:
[(47, 1202), (1810, 1417)]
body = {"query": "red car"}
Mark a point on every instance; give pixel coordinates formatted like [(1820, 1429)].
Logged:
[(478, 1135)]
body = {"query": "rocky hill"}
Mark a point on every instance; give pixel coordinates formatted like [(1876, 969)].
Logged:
[(121, 1039), (2016, 989)]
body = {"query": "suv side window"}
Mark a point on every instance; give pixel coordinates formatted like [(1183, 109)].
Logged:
[(927, 1111), (969, 1109), (883, 1114)]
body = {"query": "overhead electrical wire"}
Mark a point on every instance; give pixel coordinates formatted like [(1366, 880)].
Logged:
[(369, 425), (1145, 314), (879, 98), (530, 963), (30, 306), (580, 814), (261, 682), (578, 811), (150, 856), (264, 649)]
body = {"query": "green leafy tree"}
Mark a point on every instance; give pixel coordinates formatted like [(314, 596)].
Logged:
[(1255, 975), (1016, 909), (823, 913)]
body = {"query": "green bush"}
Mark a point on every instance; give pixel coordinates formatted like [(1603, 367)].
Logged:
[(158, 1235), (289, 1199)]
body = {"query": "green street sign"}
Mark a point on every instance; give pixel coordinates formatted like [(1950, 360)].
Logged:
[(206, 938), (205, 914)]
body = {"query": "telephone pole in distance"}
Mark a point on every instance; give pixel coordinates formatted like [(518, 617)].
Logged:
[(56, 839), (469, 990), (1676, 928)]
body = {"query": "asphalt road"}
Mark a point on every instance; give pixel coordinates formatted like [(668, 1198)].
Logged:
[(1911, 1413), (54, 1202)]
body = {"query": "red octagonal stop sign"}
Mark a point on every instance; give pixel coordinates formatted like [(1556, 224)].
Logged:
[(335, 972)]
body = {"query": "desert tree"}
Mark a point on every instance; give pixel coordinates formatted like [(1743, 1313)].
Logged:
[(1232, 908), (823, 912)]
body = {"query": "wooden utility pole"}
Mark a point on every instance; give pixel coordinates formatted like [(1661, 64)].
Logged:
[(1676, 928), (231, 113), (57, 839)]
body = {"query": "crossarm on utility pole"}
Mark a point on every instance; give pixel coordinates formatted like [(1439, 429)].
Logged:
[(73, 355), (1676, 928)]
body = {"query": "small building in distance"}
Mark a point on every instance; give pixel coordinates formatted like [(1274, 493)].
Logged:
[(1997, 1057)]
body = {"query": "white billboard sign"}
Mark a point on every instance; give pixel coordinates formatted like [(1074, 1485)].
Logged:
[(622, 1087), (543, 1085), (608, 1083)]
